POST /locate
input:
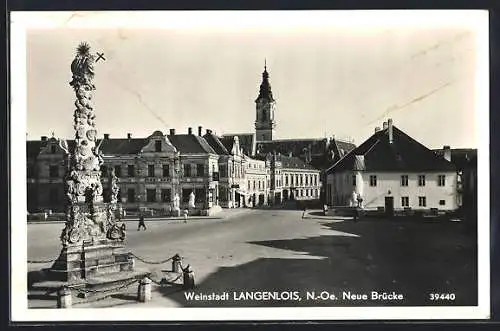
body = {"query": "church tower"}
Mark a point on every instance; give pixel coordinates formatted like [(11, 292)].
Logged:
[(265, 106)]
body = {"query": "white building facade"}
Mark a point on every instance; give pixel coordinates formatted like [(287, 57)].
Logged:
[(391, 171)]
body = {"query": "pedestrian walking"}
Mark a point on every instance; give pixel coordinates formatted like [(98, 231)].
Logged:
[(142, 224), (185, 214), (304, 212)]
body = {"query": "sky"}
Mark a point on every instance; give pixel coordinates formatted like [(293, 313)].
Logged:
[(327, 80)]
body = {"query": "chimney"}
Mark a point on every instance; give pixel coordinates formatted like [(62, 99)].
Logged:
[(129, 136), (389, 125), (199, 130), (209, 131), (106, 136), (447, 153), (172, 132), (384, 126), (190, 131), (377, 129), (44, 141)]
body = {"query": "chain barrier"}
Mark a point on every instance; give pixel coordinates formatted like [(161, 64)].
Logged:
[(151, 262), (40, 261), (108, 290)]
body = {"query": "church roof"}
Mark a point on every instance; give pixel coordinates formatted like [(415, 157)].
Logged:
[(403, 154), (293, 162), (265, 87), (246, 140)]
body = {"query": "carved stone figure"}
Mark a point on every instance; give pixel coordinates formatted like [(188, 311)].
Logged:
[(87, 219), (191, 200)]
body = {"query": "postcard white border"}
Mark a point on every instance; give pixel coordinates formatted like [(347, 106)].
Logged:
[(22, 21)]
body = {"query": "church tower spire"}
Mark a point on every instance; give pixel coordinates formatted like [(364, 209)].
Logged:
[(265, 106)]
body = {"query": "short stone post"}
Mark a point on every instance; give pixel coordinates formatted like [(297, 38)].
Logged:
[(64, 298), (144, 290), (176, 263), (188, 279)]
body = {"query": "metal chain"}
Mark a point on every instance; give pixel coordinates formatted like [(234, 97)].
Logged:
[(41, 261), (152, 262), (108, 290)]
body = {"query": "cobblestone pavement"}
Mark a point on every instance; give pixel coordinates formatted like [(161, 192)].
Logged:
[(278, 250)]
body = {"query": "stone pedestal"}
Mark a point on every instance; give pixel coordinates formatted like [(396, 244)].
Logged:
[(78, 263)]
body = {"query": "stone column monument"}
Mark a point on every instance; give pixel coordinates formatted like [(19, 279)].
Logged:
[(92, 239)]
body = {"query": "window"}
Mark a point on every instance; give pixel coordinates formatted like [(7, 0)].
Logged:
[(54, 171), (353, 180), (118, 171), (158, 146), (259, 184), (151, 170), (422, 202), (187, 170), (54, 195), (421, 180), (291, 180), (297, 180), (441, 180), (166, 170), (307, 180), (53, 149), (165, 195), (442, 202), (200, 170), (249, 186), (301, 193), (254, 185), (151, 195), (301, 180), (404, 180), (131, 170), (286, 180), (185, 194), (373, 180), (405, 202), (199, 195), (131, 195), (222, 170), (104, 170), (106, 197), (315, 180)]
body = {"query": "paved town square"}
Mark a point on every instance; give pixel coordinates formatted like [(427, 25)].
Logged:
[(254, 251)]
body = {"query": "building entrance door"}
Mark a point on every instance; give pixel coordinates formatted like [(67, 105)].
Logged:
[(389, 206)]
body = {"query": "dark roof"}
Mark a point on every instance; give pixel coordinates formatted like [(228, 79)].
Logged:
[(190, 144), (122, 146), (323, 152), (293, 162), (246, 141), (461, 157), (216, 144), (404, 154), (265, 87)]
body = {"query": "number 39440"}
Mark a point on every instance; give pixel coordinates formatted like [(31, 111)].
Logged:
[(442, 296)]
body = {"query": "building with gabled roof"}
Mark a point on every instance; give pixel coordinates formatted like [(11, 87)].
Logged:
[(151, 171), (392, 171)]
